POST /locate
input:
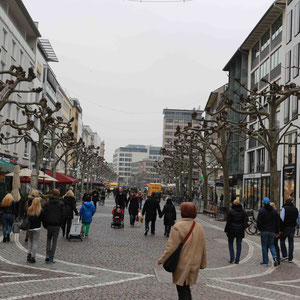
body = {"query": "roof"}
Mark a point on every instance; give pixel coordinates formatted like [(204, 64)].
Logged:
[(264, 23), (62, 178), (181, 110)]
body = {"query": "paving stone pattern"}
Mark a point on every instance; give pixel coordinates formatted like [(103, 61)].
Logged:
[(121, 264)]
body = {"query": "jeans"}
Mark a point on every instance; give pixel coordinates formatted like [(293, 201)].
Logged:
[(184, 292), (140, 204), (152, 226), (238, 249), (33, 237), (68, 223), (95, 204), (7, 221), (52, 235), (277, 247), (167, 229), (289, 233), (132, 219), (267, 242)]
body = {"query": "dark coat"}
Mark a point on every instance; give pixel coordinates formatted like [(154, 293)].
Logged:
[(70, 207), (121, 200), (95, 196), (236, 222), (102, 194), (54, 212), (9, 209), (133, 206), (169, 213), (267, 219), (150, 208), (291, 216), (36, 221), (84, 198)]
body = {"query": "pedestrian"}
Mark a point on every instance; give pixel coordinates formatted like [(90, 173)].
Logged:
[(86, 215), (121, 198), (86, 194), (289, 216), (35, 215), (69, 210), (193, 253), (268, 225), (169, 214), (276, 239), (237, 221), (150, 209), (8, 214), (102, 196), (95, 197), (140, 199), (133, 207), (54, 217)]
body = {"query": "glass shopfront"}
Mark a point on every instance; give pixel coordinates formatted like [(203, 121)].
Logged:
[(289, 177)]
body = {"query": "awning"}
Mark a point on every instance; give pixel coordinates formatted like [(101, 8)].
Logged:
[(62, 178), (6, 166)]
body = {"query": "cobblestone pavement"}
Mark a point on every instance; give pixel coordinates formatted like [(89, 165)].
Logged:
[(122, 264)]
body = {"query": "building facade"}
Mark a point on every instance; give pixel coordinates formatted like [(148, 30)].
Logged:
[(124, 157)]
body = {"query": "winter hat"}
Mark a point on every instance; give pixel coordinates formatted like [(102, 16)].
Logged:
[(266, 200)]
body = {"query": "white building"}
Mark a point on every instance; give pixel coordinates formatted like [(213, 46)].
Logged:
[(90, 137), (125, 156)]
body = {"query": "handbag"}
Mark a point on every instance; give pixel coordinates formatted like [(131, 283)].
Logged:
[(16, 228), (25, 225), (171, 263)]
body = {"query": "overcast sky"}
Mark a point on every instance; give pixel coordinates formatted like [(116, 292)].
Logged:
[(126, 61)]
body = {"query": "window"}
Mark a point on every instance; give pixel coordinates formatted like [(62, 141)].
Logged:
[(169, 127), (294, 106), (289, 26), (169, 133), (17, 114), (13, 51), (297, 19), (15, 146), (9, 110), (7, 135), (290, 142), (252, 141), (169, 120), (255, 51), (25, 149), (265, 68), (265, 41), (277, 28), (251, 161), (275, 59), (255, 77), (286, 110), (2, 69), (296, 60), (288, 67), (260, 166), (4, 41)]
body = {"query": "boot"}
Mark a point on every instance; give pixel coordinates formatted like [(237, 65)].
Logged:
[(32, 260), (28, 257), (4, 239), (8, 238), (276, 262)]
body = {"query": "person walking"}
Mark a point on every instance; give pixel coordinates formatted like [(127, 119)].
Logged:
[(150, 209), (237, 220), (69, 210), (102, 197), (276, 239), (289, 216), (54, 217), (140, 199), (95, 197), (193, 253), (8, 214), (169, 214), (35, 215), (268, 225), (86, 215), (121, 198), (85, 195), (133, 207)]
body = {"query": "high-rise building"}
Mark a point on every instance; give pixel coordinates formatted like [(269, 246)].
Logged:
[(125, 156)]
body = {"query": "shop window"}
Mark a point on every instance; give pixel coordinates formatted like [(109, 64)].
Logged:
[(294, 106), (260, 166), (289, 26), (289, 183), (277, 28), (288, 66), (251, 161), (286, 110), (290, 143)]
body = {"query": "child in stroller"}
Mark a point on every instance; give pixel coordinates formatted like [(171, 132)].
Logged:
[(118, 217)]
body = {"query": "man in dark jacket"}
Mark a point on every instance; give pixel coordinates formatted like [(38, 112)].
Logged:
[(267, 223), (169, 213), (54, 217), (69, 210), (95, 197), (121, 198), (289, 216), (151, 207)]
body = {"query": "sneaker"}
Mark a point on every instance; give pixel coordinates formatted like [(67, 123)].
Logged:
[(284, 258), (26, 240), (8, 238), (4, 240), (290, 261), (47, 259), (28, 257), (276, 262), (146, 232), (236, 262), (32, 260), (231, 261), (52, 261), (264, 264)]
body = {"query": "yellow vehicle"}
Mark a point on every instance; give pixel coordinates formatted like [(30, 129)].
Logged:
[(154, 187), (113, 185)]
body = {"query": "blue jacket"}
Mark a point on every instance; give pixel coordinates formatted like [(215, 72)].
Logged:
[(87, 211)]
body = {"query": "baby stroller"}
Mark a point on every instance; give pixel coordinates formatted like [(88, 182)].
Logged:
[(118, 217)]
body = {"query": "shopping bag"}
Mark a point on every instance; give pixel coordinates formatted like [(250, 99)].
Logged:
[(142, 219), (16, 228)]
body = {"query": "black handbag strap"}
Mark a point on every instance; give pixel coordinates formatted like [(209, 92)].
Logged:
[(190, 232)]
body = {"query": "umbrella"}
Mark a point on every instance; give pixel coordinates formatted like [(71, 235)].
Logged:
[(16, 184)]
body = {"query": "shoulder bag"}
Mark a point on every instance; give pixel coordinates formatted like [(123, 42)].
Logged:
[(171, 263), (25, 225)]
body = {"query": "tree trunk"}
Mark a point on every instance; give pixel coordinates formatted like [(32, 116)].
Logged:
[(274, 179), (54, 175), (205, 186), (34, 182)]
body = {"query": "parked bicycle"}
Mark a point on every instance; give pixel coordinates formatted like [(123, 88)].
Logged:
[(252, 224)]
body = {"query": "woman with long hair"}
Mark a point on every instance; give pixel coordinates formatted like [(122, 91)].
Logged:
[(35, 214), (8, 209), (70, 209)]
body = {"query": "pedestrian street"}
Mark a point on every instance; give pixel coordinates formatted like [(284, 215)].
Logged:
[(122, 264)]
